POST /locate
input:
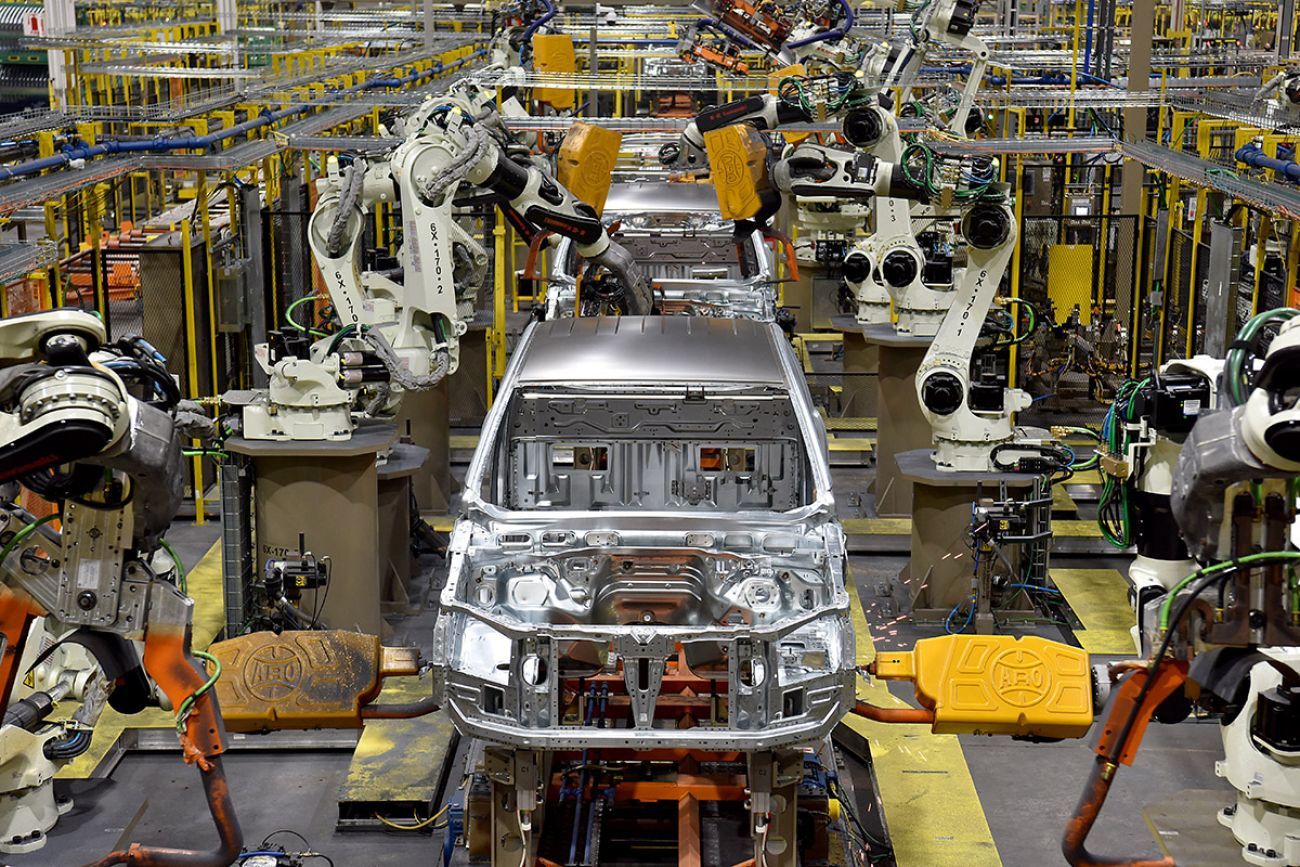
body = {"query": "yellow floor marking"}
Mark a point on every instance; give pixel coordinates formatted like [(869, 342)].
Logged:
[(850, 423), (205, 586), (1076, 529), (207, 589), (439, 523), (878, 526), (1085, 477), (399, 760), (849, 444), (822, 337), (903, 527), (933, 812), (1061, 501), (463, 441), (1099, 597)]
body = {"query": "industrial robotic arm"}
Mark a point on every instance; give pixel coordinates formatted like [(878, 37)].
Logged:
[(71, 429), (401, 331), (1138, 454), (1253, 435), (816, 171), (888, 265), (961, 390), (1228, 629), (786, 31), (945, 23)]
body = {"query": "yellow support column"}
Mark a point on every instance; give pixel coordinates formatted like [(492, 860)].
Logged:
[(496, 366), (1197, 231), (205, 218), (192, 351), (1292, 260), (1105, 224)]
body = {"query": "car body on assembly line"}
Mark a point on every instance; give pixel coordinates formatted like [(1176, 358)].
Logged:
[(648, 520)]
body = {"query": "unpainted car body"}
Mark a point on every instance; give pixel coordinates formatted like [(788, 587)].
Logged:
[(648, 513)]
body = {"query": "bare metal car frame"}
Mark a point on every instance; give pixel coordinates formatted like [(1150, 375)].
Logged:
[(617, 523)]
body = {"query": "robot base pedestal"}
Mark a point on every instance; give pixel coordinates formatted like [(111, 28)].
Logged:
[(397, 475), (941, 567), (1270, 833), (28, 809), (901, 426), (860, 398), (328, 491), (426, 416), (27, 817)]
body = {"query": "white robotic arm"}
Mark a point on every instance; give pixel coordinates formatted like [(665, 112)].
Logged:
[(402, 333), (821, 172), (889, 264), (970, 412), (1257, 439), (65, 419), (944, 23)]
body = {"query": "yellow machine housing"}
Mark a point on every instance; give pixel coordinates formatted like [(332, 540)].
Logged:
[(553, 53), (737, 161), (586, 165), (997, 684), (303, 680)]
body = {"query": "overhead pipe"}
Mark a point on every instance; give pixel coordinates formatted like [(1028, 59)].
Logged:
[(1253, 155), (1087, 48), (72, 153)]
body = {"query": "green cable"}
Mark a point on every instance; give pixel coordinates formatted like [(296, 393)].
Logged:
[(1263, 556), (288, 317), (1033, 319), (22, 534), (1117, 444), (1086, 431), (346, 331), (183, 713), (180, 567), (1235, 373)]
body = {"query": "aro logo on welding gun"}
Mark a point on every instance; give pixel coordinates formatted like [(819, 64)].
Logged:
[(1021, 678)]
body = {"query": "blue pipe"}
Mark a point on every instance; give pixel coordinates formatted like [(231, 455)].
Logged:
[(835, 34), (83, 151), (1087, 45), (539, 22), (1253, 155)]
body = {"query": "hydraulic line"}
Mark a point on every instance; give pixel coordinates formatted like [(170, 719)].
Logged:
[(894, 714), (409, 710), (541, 21), (356, 179)]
